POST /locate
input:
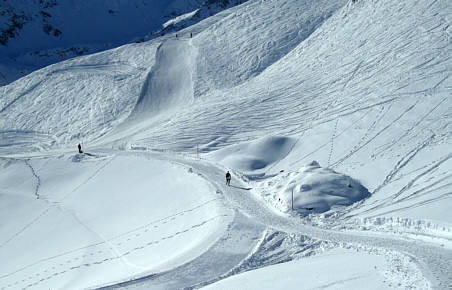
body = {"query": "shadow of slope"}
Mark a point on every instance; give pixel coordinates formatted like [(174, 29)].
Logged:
[(244, 188), (169, 84)]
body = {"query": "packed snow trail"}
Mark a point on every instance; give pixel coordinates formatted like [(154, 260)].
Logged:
[(432, 259), (365, 87), (229, 251)]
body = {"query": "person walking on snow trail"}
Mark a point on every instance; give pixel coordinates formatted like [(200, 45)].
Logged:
[(228, 178), (80, 148)]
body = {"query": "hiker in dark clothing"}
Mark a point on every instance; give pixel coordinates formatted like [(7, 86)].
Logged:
[(79, 148), (228, 178)]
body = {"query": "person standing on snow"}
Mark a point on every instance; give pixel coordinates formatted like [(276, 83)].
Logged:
[(228, 178), (80, 148)]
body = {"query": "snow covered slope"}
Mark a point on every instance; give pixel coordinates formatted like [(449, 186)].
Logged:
[(100, 218), (34, 33), (261, 89)]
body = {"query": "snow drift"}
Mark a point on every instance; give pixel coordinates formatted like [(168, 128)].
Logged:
[(313, 189), (256, 156)]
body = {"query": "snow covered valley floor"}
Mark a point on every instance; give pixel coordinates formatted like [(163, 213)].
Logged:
[(152, 221), (334, 119)]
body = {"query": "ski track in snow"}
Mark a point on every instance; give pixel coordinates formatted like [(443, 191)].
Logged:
[(75, 259), (432, 259), (389, 90)]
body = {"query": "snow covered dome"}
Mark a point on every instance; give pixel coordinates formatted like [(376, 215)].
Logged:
[(314, 189)]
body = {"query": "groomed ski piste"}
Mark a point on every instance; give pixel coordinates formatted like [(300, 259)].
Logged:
[(334, 118)]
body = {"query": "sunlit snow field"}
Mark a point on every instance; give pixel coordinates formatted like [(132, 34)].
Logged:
[(333, 117)]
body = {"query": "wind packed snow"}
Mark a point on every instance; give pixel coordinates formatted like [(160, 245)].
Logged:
[(343, 107)]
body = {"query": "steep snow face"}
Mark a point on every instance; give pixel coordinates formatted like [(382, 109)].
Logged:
[(252, 38), (76, 98), (139, 80), (230, 51), (169, 84)]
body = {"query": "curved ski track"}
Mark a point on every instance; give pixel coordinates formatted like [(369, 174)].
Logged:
[(253, 218)]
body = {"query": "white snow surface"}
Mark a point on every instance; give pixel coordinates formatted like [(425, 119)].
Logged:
[(261, 89), (257, 156), (346, 270), (313, 188), (103, 218)]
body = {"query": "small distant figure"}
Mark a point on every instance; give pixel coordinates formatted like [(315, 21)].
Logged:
[(228, 178), (191, 35), (80, 148), (176, 36)]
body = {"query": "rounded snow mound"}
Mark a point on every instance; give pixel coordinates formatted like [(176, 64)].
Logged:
[(255, 156), (314, 189)]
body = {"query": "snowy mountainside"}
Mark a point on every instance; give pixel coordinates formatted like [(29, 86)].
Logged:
[(35, 33), (364, 95), (156, 89), (367, 94), (282, 93)]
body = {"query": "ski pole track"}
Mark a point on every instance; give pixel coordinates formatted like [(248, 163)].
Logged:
[(444, 196), (407, 132), (71, 263), (300, 135), (429, 188), (134, 233), (274, 247), (36, 192), (389, 178), (51, 204), (333, 135), (437, 273), (105, 164), (338, 162), (416, 178), (382, 112), (261, 214), (320, 147), (404, 161), (26, 227), (196, 272)]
